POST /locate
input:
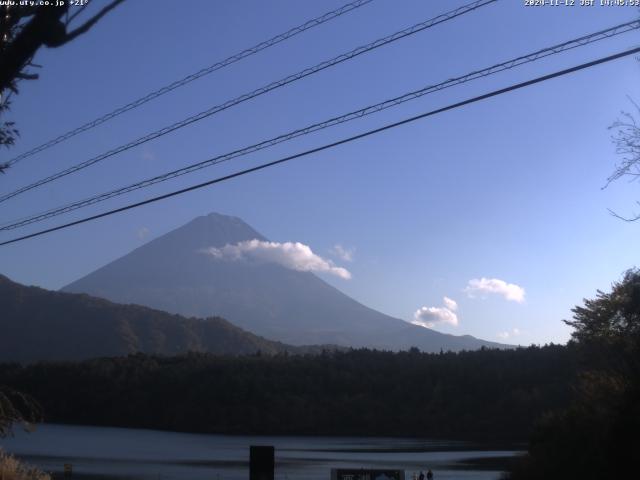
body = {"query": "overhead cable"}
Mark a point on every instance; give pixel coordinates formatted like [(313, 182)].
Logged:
[(371, 109), (194, 76), (331, 145), (255, 93)]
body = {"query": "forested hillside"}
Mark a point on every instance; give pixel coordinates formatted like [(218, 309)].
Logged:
[(486, 394), (38, 324)]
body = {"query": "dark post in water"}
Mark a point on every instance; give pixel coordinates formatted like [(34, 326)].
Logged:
[(261, 463)]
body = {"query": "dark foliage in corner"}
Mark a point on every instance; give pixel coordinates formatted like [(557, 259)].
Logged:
[(597, 435), (24, 29), (17, 408)]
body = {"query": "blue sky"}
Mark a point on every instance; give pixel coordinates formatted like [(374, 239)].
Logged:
[(506, 189)]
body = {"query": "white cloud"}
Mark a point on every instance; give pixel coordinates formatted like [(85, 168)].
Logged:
[(450, 304), (509, 334), (343, 253), (292, 255), (429, 317), (510, 291), (142, 233)]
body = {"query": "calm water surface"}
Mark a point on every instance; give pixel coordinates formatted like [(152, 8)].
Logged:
[(148, 454)]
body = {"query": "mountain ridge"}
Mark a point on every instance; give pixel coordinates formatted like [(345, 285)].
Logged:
[(171, 273), (43, 325)]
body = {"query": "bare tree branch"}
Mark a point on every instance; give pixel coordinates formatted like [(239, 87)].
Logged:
[(633, 218), (627, 142), (28, 76), (78, 12), (92, 21), (626, 139)]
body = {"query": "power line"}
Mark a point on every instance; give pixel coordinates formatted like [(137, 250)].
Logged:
[(194, 76), (334, 144), (531, 57), (255, 93)]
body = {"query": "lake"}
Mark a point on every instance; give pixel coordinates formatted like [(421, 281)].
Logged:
[(119, 453)]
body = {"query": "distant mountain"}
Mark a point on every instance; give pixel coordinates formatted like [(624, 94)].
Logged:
[(37, 324), (172, 273)]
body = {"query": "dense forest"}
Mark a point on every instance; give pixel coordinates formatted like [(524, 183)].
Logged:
[(485, 394)]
